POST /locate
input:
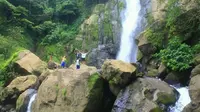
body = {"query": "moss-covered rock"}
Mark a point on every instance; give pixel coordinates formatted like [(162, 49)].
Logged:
[(118, 73), (70, 89), (156, 110), (143, 94), (152, 73), (195, 71), (139, 55), (197, 59), (166, 99), (22, 83)]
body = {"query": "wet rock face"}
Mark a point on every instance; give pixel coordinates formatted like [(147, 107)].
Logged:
[(145, 95), (70, 89), (97, 56)]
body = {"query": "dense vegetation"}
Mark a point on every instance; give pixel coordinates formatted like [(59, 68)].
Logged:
[(47, 27), (177, 37), (176, 56)]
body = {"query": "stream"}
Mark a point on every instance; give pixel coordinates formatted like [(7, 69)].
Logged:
[(183, 100), (32, 98)]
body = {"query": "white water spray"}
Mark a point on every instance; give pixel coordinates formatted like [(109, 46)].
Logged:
[(130, 21), (183, 100), (31, 101)]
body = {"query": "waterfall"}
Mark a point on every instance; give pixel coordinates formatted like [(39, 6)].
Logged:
[(130, 23), (31, 101), (183, 100)]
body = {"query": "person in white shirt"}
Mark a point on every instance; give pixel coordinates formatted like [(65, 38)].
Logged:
[(77, 64), (83, 56)]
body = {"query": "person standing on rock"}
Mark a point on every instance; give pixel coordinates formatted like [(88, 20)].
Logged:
[(63, 63), (83, 56), (77, 64), (78, 55)]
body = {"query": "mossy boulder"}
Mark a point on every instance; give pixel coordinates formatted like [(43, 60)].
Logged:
[(22, 83), (152, 72), (156, 110), (118, 73), (70, 89), (139, 55), (145, 95), (195, 71), (166, 99), (197, 59), (194, 89)]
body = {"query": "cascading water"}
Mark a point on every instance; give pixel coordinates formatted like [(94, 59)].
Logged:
[(31, 101), (130, 21), (183, 100)]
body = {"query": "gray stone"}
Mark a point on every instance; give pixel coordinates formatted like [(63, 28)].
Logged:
[(143, 95)]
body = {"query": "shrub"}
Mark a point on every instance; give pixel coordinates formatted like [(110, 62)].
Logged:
[(176, 56), (155, 37), (196, 48)]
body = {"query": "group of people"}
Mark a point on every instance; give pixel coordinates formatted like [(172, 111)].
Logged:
[(80, 57)]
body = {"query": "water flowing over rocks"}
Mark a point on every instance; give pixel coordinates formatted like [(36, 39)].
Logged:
[(145, 95), (183, 100), (70, 89), (23, 100), (9, 95)]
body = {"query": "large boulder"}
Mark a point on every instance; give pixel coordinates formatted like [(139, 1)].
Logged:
[(29, 63), (195, 71), (194, 91), (145, 95), (70, 90), (197, 59), (192, 107), (118, 73), (22, 83)]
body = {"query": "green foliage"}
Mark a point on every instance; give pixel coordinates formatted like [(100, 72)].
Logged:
[(121, 5), (92, 80), (67, 11), (173, 12), (6, 69), (196, 48), (166, 99), (13, 39), (155, 37), (176, 56), (64, 92)]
